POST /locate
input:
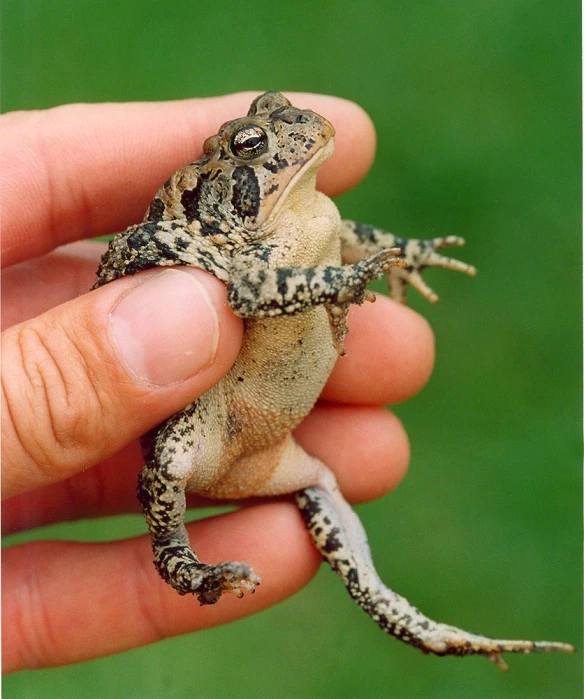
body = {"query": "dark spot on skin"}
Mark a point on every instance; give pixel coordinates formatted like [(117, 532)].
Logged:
[(277, 163), (165, 250), (156, 210), (370, 234), (141, 237), (246, 192), (191, 198), (309, 510), (211, 227), (283, 275), (365, 232), (259, 251), (181, 244), (332, 542), (271, 166), (353, 576), (328, 275), (209, 262)]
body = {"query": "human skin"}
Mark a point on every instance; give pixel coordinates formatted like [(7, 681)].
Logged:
[(76, 396)]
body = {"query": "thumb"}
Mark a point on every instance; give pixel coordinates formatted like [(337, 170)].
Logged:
[(89, 376)]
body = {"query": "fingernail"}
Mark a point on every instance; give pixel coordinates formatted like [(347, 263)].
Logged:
[(166, 329)]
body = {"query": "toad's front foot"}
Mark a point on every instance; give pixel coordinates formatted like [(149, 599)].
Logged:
[(420, 254), (178, 566), (360, 240), (354, 288)]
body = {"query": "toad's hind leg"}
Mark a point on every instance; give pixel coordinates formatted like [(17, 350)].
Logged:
[(339, 536), (170, 451), (164, 505), (163, 502)]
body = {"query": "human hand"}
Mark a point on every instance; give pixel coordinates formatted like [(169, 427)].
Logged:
[(84, 377)]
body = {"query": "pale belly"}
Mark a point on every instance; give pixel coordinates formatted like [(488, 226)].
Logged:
[(274, 383), (280, 372)]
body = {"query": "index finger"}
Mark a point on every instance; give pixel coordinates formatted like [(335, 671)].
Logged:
[(80, 171)]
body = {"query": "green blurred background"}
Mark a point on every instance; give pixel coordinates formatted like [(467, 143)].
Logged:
[(477, 107)]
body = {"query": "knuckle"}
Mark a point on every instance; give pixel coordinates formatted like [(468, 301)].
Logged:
[(55, 406)]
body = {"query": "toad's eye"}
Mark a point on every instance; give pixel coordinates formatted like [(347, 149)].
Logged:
[(249, 142)]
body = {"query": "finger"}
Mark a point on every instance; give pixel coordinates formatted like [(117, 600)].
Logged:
[(35, 286), (109, 488), (390, 355), (366, 447), (66, 602), (90, 376), (81, 171)]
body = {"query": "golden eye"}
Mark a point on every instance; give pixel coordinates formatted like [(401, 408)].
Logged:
[(249, 142)]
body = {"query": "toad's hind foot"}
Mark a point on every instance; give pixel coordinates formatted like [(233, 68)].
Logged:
[(339, 536), (396, 616), (179, 566)]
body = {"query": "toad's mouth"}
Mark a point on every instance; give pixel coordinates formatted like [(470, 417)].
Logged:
[(307, 170)]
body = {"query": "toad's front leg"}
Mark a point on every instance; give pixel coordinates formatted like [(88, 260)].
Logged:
[(339, 536), (266, 293), (159, 244)]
